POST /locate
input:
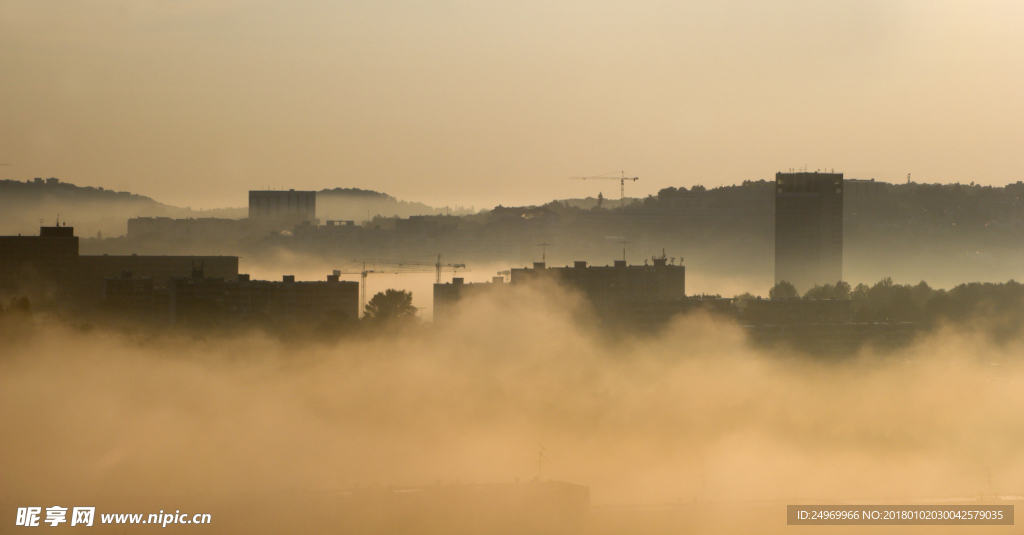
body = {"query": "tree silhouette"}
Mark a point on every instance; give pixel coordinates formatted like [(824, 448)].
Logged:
[(841, 290), (783, 290), (390, 305)]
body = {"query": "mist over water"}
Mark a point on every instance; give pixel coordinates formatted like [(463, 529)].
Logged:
[(690, 414)]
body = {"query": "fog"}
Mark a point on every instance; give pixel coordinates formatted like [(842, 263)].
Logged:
[(685, 428), (691, 414)]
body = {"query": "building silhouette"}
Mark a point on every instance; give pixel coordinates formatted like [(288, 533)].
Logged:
[(89, 282), (620, 293), (129, 294), (209, 301), (447, 296), (49, 266), (47, 263), (288, 205), (808, 228), (245, 299), (611, 284)]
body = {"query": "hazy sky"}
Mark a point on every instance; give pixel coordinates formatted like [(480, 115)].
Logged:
[(194, 102)]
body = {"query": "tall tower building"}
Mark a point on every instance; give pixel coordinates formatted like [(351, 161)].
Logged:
[(808, 228)]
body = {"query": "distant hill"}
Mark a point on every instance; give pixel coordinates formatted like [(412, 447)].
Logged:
[(358, 204), (97, 210), (90, 210), (592, 202), (354, 193)]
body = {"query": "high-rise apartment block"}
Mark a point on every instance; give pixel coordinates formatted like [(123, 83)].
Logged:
[(808, 228), (287, 205)]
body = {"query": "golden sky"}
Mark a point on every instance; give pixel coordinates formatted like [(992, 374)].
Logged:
[(194, 102)]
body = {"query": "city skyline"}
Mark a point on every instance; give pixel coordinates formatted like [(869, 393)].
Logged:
[(322, 267)]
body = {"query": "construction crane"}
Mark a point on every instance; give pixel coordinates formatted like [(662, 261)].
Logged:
[(397, 267), (622, 178)]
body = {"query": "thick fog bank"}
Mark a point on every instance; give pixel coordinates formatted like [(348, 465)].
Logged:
[(690, 414)]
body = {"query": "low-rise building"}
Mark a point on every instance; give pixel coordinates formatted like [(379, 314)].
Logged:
[(49, 267), (630, 295), (620, 282), (448, 295), (40, 265), (199, 298), (128, 294)]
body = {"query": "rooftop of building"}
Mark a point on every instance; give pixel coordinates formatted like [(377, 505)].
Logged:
[(618, 264)]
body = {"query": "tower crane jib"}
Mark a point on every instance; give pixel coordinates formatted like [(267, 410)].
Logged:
[(622, 178), (396, 267)]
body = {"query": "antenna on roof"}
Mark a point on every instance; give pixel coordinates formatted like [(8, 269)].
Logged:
[(544, 250), (624, 242)]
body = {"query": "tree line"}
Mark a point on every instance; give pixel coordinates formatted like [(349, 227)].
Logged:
[(998, 307)]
